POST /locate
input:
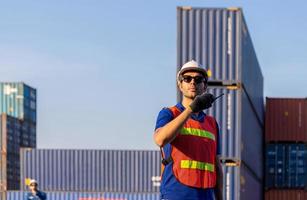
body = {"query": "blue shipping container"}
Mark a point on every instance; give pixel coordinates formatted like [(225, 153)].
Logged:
[(275, 165), (285, 165), (296, 166)]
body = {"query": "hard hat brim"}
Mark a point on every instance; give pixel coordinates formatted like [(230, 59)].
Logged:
[(193, 69)]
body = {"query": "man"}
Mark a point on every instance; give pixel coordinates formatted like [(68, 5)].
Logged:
[(188, 139), (34, 193)]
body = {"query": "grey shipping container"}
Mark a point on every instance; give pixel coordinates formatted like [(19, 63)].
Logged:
[(241, 133), (92, 170), (21, 195), (218, 38), (240, 183), (51, 168), (250, 188)]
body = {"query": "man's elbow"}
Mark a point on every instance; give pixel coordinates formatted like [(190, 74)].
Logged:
[(158, 139)]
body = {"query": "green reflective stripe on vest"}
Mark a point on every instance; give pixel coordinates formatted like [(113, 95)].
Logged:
[(192, 164), (197, 132)]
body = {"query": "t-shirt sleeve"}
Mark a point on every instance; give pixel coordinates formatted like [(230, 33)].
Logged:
[(165, 116)]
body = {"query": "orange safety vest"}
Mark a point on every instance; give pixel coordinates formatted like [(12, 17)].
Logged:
[(193, 152)]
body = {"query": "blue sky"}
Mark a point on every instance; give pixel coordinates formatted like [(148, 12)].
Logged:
[(104, 69)]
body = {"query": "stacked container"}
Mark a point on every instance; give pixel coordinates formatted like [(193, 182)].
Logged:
[(18, 129), (219, 40), (286, 150), (135, 173), (58, 195)]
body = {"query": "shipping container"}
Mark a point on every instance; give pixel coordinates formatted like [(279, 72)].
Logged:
[(296, 166), (51, 168), (21, 195), (251, 188), (92, 170), (286, 165), (18, 100), (218, 38), (286, 120), (241, 133), (240, 183), (275, 166), (286, 195)]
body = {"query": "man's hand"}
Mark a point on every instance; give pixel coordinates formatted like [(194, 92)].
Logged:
[(201, 102)]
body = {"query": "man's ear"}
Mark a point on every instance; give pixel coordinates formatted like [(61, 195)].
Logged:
[(205, 86), (179, 85)]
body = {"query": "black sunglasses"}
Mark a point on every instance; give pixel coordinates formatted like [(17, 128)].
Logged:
[(197, 79)]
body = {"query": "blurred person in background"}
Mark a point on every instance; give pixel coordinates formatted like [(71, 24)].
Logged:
[(188, 140), (34, 193)]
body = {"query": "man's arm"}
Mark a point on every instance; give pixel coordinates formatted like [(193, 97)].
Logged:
[(169, 131)]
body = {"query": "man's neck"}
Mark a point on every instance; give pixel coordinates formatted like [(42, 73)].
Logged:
[(186, 102), (34, 191)]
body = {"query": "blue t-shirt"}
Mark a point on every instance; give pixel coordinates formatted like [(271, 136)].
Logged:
[(170, 188), (38, 196)]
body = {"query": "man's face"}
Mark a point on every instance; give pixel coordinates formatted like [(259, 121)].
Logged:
[(192, 84), (33, 186)]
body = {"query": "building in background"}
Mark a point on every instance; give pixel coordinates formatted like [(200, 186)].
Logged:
[(218, 38), (286, 150), (17, 129)]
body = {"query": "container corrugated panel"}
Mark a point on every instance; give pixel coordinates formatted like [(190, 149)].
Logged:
[(218, 39), (92, 170), (252, 77), (270, 166), (21, 195), (231, 183), (286, 165), (296, 166), (18, 100), (240, 130), (239, 183), (275, 166), (285, 195), (252, 138), (250, 187), (286, 120)]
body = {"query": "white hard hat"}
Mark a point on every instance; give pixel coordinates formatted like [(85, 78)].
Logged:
[(192, 65), (33, 181)]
